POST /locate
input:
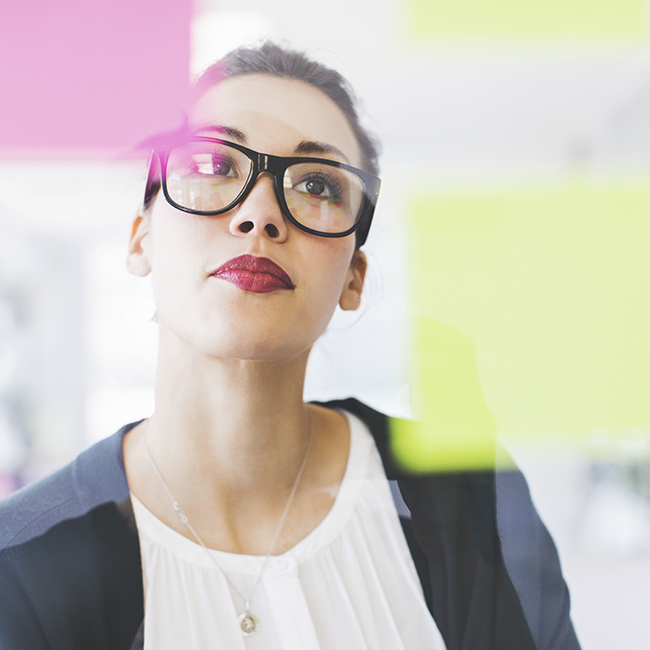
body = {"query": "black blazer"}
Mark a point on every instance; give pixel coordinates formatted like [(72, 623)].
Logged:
[(71, 577)]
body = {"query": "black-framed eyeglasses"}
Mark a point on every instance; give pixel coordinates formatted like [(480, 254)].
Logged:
[(209, 176)]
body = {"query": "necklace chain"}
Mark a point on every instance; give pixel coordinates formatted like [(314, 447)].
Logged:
[(248, 621)]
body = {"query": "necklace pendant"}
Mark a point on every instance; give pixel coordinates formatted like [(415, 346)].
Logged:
[(248, 623)]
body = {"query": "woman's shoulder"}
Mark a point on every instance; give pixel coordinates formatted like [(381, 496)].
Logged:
[(93, 478), (69, 552), (378, 425)]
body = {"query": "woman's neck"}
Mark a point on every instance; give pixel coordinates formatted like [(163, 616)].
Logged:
[(228, 419), (229, 438)]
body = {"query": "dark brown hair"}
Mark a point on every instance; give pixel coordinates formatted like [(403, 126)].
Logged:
[(272, 59)]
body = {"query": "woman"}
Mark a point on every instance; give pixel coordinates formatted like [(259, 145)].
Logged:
[(237, 516)]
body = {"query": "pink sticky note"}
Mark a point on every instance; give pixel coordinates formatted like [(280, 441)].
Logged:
[(84, 77)]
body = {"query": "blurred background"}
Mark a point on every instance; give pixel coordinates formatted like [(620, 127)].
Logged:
[(515, 210)]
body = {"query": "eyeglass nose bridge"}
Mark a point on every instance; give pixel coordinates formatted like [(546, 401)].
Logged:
[(272, 165), (268, 163), (262, 163)]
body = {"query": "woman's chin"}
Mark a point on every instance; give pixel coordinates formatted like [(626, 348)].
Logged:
[(234, 345)]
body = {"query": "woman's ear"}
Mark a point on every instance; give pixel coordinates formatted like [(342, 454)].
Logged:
[(137, 259), (351, 295)]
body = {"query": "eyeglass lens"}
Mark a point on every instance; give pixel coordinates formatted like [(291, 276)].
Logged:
[(209, 176)]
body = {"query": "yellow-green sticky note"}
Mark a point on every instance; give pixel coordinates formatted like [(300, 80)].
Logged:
[(522, 19), (454, 429), (546, 290)]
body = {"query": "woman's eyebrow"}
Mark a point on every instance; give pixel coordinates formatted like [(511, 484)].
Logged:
[(231, 132), (310, 146), (304, 147)]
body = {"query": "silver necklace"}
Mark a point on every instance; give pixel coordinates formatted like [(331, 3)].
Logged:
[(248, 622)]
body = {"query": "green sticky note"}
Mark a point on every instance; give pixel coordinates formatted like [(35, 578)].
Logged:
[(530, 19), (536, 299), (454, 429)]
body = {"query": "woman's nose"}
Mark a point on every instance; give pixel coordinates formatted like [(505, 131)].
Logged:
[(260, 214)]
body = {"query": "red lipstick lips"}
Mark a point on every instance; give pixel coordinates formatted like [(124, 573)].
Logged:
[(256, 274)]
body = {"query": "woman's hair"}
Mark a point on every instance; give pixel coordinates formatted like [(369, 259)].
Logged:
[(277, 61)]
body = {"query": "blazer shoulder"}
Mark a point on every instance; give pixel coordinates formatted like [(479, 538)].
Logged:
[(97, 476)]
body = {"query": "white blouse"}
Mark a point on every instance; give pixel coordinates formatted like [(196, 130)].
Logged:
[(350, 583)]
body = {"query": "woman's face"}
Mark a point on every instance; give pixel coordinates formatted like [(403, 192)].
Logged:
[(220, 314)]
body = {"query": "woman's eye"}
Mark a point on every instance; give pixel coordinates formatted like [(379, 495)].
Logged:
[(221, 168), (316, 187), (212, 166)]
